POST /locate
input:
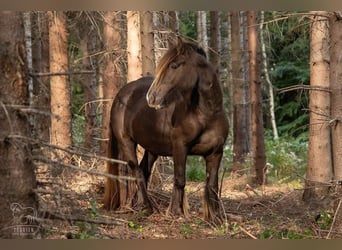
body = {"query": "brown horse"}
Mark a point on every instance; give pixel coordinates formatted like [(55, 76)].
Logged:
[(179, 113)]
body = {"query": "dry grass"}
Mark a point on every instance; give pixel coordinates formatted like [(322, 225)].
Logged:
[(72, 202)]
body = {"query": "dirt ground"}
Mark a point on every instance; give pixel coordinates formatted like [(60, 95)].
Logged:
[(74, 211)]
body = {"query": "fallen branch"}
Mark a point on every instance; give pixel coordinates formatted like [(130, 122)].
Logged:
[(39, 74), (70, 151), (334, 220), (91, 172), (248, 233), (54, 216)]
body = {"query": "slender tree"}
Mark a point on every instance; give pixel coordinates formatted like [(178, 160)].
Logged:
[(147, 43), (214, 52), (238, 105), (336, 112), (88, 44), (112, 73), (201, 25), (267, 77), (258, 144), (319, 170), (41, 65), (336, 92), (173, 25), (16, 167), (59, 82), (134, 64)]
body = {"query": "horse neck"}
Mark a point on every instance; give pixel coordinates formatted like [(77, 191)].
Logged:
[(210, 100)]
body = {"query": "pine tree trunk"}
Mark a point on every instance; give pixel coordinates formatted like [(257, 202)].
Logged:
[(267, 78), (112, 73), (319, 171), (173, 25), (336, 114), (201, 25), (147, 43), (88, 36), (41, 64), (59, 84), (258, 144), (134, 64), (238, 105), (336, 93), (128, 189), (16, 167), (214, 39)]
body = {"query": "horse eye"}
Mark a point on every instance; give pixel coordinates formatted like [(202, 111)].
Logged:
[(173, 65)]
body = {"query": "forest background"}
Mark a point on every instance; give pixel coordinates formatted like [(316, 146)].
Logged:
[(73, 63)]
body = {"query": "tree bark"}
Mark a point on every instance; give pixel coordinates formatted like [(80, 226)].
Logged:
[(214, 53), (112, 73), (16, 167), (336, 93), (201, 25), (174, 26), (336, 114), (41, 64), (258, 144), (59, 84), (267, 78), (239, 132), (88, 37), (134, 64), (147, 43), (319, 170)]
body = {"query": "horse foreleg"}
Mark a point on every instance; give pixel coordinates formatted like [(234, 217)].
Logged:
[(211, 200), (179, 204)]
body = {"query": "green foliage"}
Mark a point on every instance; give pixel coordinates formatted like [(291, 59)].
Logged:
[(187, 24), (285, 234), (78, 126), (88, 230), (286, 159), (135, 227), (195, 170), (325, 220), (288, 54)]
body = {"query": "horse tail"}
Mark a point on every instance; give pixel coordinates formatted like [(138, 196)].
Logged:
[(111, 193)]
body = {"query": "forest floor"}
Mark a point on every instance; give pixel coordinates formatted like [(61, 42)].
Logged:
[(269, 212)]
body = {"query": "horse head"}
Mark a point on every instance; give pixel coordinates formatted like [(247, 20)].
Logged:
[(178, 72)]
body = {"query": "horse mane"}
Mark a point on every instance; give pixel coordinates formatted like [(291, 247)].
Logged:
[(184, 47)]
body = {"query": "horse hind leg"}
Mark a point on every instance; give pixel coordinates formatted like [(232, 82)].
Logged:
[(212, 208), (128, 150), (111, 198)]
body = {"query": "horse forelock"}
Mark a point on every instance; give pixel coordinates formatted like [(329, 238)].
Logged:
[(186, 48)]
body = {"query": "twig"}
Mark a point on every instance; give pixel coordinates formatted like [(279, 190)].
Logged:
[(305, 87), (248, 233), (335, 215), (248, 187), (61, 73), (91, 172), (29, 109), (7, 116), (68, 150)]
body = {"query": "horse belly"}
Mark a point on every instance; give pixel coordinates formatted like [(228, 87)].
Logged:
[(152, 134)]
